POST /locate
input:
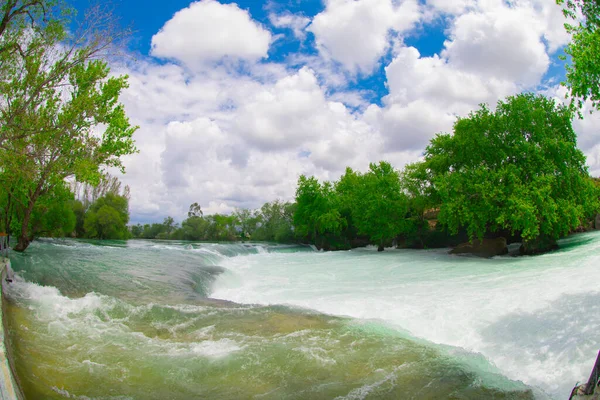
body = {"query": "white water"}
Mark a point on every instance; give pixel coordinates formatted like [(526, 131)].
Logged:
[(536, 318)]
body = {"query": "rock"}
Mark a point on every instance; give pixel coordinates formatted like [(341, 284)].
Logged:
[(597, 222), (539, 245), (482, 248)]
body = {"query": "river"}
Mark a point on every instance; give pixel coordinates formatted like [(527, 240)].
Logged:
[(179, 320)]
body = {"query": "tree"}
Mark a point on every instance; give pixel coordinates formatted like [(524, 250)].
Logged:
[(136, 230), (415, 183), (583, 72), (195, 228), (381, 213), (516, 168), (275, 222), (317, 209), (56, 90), (246, 221), (53, 214), (87, 193), (170, 225), (79, 211), (107, 218)]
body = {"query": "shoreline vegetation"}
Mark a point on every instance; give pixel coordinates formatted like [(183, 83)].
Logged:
[(511, 174)]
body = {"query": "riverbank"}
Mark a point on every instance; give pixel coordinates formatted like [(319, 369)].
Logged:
[(9, 388)]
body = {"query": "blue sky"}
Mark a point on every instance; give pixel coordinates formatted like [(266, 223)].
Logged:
[(236, 99)]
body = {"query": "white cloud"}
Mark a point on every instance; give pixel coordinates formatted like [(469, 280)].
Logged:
[(587, 129), (291, 112), (356, 32), (231, 139), (493, 49), (426, 96), (297, 23), (209, 31), (504, 43), (454, 7)]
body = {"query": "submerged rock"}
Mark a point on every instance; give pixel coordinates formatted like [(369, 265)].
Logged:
[(539, 245), (482, 248)]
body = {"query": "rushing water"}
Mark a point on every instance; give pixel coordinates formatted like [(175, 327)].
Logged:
[(177, 320)]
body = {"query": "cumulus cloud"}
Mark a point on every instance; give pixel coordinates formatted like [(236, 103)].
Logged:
[(241, 155), (493, 49), (208, 31), (297, 23), (426, 94), (227, 138), (454, 7), (356, 32), (504, 43), (286, 115)]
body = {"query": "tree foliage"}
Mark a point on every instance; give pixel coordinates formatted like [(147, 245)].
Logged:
[(371, 204), (317, 211), (516, 168), (272, 222), (382, 212), (107, 218), (56, 91), (583, 71)]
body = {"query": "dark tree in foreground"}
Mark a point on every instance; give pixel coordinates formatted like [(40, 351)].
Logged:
[(56, 90)]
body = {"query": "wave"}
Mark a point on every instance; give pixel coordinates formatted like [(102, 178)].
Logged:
[(289, 321), (224, 352), (535, 318)]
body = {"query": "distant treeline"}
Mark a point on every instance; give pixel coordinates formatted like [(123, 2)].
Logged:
[(272, 222)]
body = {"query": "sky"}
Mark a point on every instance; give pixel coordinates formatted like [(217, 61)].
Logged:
[(235, 100)]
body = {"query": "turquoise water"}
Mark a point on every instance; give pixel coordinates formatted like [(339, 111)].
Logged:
[(180, 320)]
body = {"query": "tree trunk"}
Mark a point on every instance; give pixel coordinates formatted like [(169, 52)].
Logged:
[(23, 242), (23, 239)]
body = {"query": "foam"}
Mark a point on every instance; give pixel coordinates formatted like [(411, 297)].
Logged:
[(448, 300)]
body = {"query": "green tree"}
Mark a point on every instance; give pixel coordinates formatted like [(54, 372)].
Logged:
[(222, 227), (415, 183), (583, 71), (53, 215), (382, 210), (276, 219), (136, 231), (79, 211), (317, 210), (195, 228), (516, 168), (107, 218), (57, 90), (247, 222), (170, 226)]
